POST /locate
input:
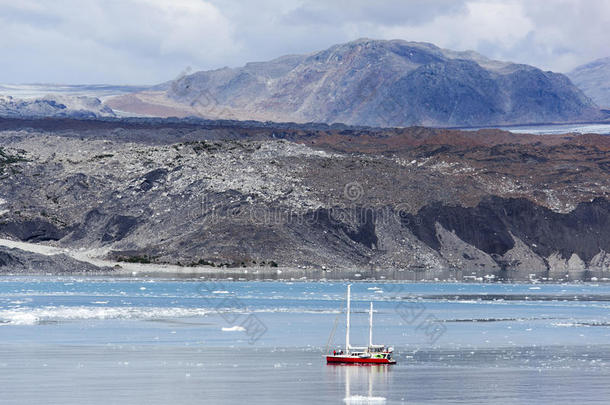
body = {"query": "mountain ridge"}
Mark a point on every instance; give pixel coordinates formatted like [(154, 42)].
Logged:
[(374, 83)]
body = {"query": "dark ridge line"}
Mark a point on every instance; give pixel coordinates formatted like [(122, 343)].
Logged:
[(201, 123), (171, 122), (473, 320)]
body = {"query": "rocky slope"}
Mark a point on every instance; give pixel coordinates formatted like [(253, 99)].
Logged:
[(375, 83), (411, 203), (16, 261), (594, 79)]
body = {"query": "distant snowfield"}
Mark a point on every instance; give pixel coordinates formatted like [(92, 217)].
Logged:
[(603, 129), (101, 91)]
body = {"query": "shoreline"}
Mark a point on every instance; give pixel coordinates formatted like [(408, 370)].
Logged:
[(292, 274)]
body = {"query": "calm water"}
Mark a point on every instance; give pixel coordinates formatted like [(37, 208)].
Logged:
[(101, 340)]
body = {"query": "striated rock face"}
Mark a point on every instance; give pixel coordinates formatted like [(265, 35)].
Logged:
[(408, 204), (519, 236), (375, 83), (594, 79)]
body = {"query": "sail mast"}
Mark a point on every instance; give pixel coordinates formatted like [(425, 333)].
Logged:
[(348, 312), (371, 325)]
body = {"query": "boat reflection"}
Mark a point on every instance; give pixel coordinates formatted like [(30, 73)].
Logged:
[(362, 382)]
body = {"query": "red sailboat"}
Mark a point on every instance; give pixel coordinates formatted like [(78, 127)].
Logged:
[(371, 354)]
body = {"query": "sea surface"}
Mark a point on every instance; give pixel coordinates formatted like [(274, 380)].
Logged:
[(88, 340)]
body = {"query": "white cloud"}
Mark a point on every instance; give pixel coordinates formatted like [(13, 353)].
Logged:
[(149, 41), (503, 24), (128, 40), (552, 34), (568, 32)]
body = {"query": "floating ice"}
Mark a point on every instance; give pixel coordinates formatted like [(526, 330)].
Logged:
[(234, 329), (33, 316), (23, 318)]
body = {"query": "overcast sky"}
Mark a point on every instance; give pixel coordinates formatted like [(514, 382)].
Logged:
[(151, 41)]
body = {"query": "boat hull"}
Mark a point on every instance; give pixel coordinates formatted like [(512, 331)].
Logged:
[(359, 360)]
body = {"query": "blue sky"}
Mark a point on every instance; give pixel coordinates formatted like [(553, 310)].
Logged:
[(151, 41)]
